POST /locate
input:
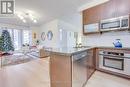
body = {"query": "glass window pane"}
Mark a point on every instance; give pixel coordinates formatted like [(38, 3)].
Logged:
[(16, 39), (26, 37)]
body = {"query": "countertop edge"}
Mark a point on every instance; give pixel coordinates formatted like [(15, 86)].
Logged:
[(85, 49)]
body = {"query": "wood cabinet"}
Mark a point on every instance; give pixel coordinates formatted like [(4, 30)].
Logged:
[(92, 15), (110, 9), (60, 71), (90, 63), (123, 7), (43, 53), (71, 70)]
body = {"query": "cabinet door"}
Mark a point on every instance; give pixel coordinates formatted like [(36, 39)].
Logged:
[(91, 15), (108, 9), (60, 71), (123, 7)]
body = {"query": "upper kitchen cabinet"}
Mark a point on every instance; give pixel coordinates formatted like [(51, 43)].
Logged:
[(111, 9), (123, 7), (115, 8), (91, 18), (91, 15), (108, 9)]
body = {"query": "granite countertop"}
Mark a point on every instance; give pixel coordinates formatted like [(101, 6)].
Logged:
[(68, 51), (110, 47)]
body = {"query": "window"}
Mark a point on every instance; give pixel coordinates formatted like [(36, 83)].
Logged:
[(26, 37), (19, 37), (16, 39)]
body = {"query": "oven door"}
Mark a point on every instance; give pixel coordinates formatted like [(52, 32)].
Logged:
[(113, 62)]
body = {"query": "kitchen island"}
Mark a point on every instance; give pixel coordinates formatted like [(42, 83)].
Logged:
[(71, 67)]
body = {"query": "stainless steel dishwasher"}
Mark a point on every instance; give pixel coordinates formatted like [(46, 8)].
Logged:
[(79, 69)]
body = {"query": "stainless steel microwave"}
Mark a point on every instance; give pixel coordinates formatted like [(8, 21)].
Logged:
[(115, 23)]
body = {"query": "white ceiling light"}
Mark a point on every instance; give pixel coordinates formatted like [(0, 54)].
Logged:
[(22, 16), (24, 20), (32, 17), (35, 21)]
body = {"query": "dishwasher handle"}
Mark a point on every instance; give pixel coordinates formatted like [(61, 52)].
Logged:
[(79, 56)]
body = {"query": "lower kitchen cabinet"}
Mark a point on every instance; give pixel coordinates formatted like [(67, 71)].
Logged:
[(60, 71), (71, 70)]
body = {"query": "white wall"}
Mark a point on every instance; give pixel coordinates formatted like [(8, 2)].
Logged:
[(37, 31), (74, 20), (53, 26), (107, 39)]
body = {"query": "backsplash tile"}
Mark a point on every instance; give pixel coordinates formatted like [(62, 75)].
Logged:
[(107, 39)]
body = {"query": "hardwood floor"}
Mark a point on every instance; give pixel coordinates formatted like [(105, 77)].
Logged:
[(31, 74), (100, 79), (36, 74)]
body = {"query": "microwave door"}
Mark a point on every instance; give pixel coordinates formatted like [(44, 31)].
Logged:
[(108, 25), (124, 23)]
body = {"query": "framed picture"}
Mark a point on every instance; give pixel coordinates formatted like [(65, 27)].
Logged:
[(49, 35), (34, 35), (43, 36)]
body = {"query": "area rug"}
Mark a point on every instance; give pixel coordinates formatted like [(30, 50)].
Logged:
[(16, 59)]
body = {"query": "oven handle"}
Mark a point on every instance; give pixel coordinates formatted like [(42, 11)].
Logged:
[(117, 58), (112, 57)]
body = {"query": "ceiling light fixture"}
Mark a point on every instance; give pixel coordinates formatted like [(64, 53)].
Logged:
[(27, 15), (35, 21), (21, 17), (24, 21), (32, 18)]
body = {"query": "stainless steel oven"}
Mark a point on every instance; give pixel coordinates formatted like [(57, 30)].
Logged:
[(115, 61), (115, 23)]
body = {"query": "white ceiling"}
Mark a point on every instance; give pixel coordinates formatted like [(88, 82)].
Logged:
[(44, 10)]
